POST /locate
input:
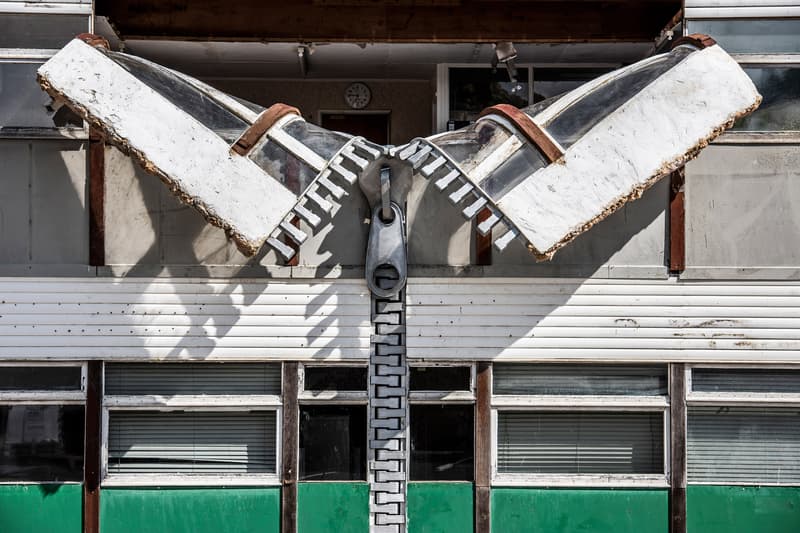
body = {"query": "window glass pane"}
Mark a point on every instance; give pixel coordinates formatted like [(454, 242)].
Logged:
[(193, 378), (760, 36), (745, 380), (549, 82), (41, 442), (23, 104), (780, 108), (442, 442), (338, 378), (282, 165), (323, 142), (474, 89), (145, 442), (743, 445), (333, 443), (183, 95), (40, 378), (40, 31), (582, 115), (580, 443), (512, 171), (440, 378), (580, 379), (471, 145)]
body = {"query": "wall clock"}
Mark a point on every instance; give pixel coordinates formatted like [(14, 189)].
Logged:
[(357, 95)]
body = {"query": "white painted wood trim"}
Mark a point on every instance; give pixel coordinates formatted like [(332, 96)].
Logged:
[(743, 12), (581, 480), (47, 8), (569, 403), (338, 397), (193, 402), (441, 397), (184, 480), (43, 398)]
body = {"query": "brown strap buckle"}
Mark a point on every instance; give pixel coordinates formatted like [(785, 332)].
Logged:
[(262, 124), (530, 129), (94, 40), (700, 40)]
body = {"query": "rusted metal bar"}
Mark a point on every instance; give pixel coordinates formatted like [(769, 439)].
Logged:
[(700, 40), (528, 128), (677, 223), (483, 243), (290, 442), (677, 417), (263, 123), (483, 448), (92, 451), (97, 187)]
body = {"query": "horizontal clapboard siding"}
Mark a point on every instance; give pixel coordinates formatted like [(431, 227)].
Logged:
[(603, 320), (201, 319)]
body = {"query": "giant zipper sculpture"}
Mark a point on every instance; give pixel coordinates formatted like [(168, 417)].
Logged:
[(546, 173)]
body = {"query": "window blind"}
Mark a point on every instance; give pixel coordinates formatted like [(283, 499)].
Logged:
[(745, 380), (580, 379), (743, 445), (145, 442), (193, 378), (580, 442)]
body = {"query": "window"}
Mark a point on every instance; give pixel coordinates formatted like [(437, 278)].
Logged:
[(41, 423), (743, 426), (580, 424), (441, 423), (174, 423), (333, 423)]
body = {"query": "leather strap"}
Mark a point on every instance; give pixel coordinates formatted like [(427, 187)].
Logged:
[(700, 40), (262, 124), (530, 129)]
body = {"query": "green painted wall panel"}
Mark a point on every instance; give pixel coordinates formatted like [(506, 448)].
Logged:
[(41, 508), (190, 510), (579, 510), (726, 509), (325, 507), (440, 507)]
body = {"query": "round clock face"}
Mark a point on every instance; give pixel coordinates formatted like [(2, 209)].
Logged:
[(357, 95)]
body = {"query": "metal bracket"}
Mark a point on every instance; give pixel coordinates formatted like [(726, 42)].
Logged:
[(386, 261)]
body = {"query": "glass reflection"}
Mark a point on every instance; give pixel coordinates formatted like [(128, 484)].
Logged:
[(41, 442), (780, 109)]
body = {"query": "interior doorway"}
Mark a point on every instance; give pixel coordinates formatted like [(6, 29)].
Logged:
[(373, 126)]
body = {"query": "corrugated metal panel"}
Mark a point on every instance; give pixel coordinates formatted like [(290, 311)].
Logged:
[(603, 320), (743, 445), (166, 379), (580, 443), (192, 443), (152, 319)]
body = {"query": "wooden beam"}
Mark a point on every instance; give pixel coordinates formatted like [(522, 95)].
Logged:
[(290, 442), (92, 451), (315, 21), (483, 243), (483, 448), (97, 187), (677, 223), (677, 473)]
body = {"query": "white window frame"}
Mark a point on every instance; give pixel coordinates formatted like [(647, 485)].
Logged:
[(331, 397), (582, 403), (443, 396), (44, 397), (46, 7), (241, 403), (742, 399)]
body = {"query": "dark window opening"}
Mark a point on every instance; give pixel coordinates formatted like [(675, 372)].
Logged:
[(440, 378), (336, 378), (41, 442), (333, 443), (38, 378), (442, 443)]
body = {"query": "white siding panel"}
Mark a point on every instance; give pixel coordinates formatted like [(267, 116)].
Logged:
[(603, 320), (192, 319)]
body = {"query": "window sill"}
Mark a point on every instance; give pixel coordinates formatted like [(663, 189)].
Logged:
[(659, 481), (178, 480)]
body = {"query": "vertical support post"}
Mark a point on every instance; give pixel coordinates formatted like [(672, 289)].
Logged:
[(677, 222), (290, 442), (295, 260), (388, 409), (483, 243), (92, 451), (97, 178), (483, 448), (677, 472)]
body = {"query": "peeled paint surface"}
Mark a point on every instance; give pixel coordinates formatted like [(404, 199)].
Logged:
[(653, 133), (230, 191)]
